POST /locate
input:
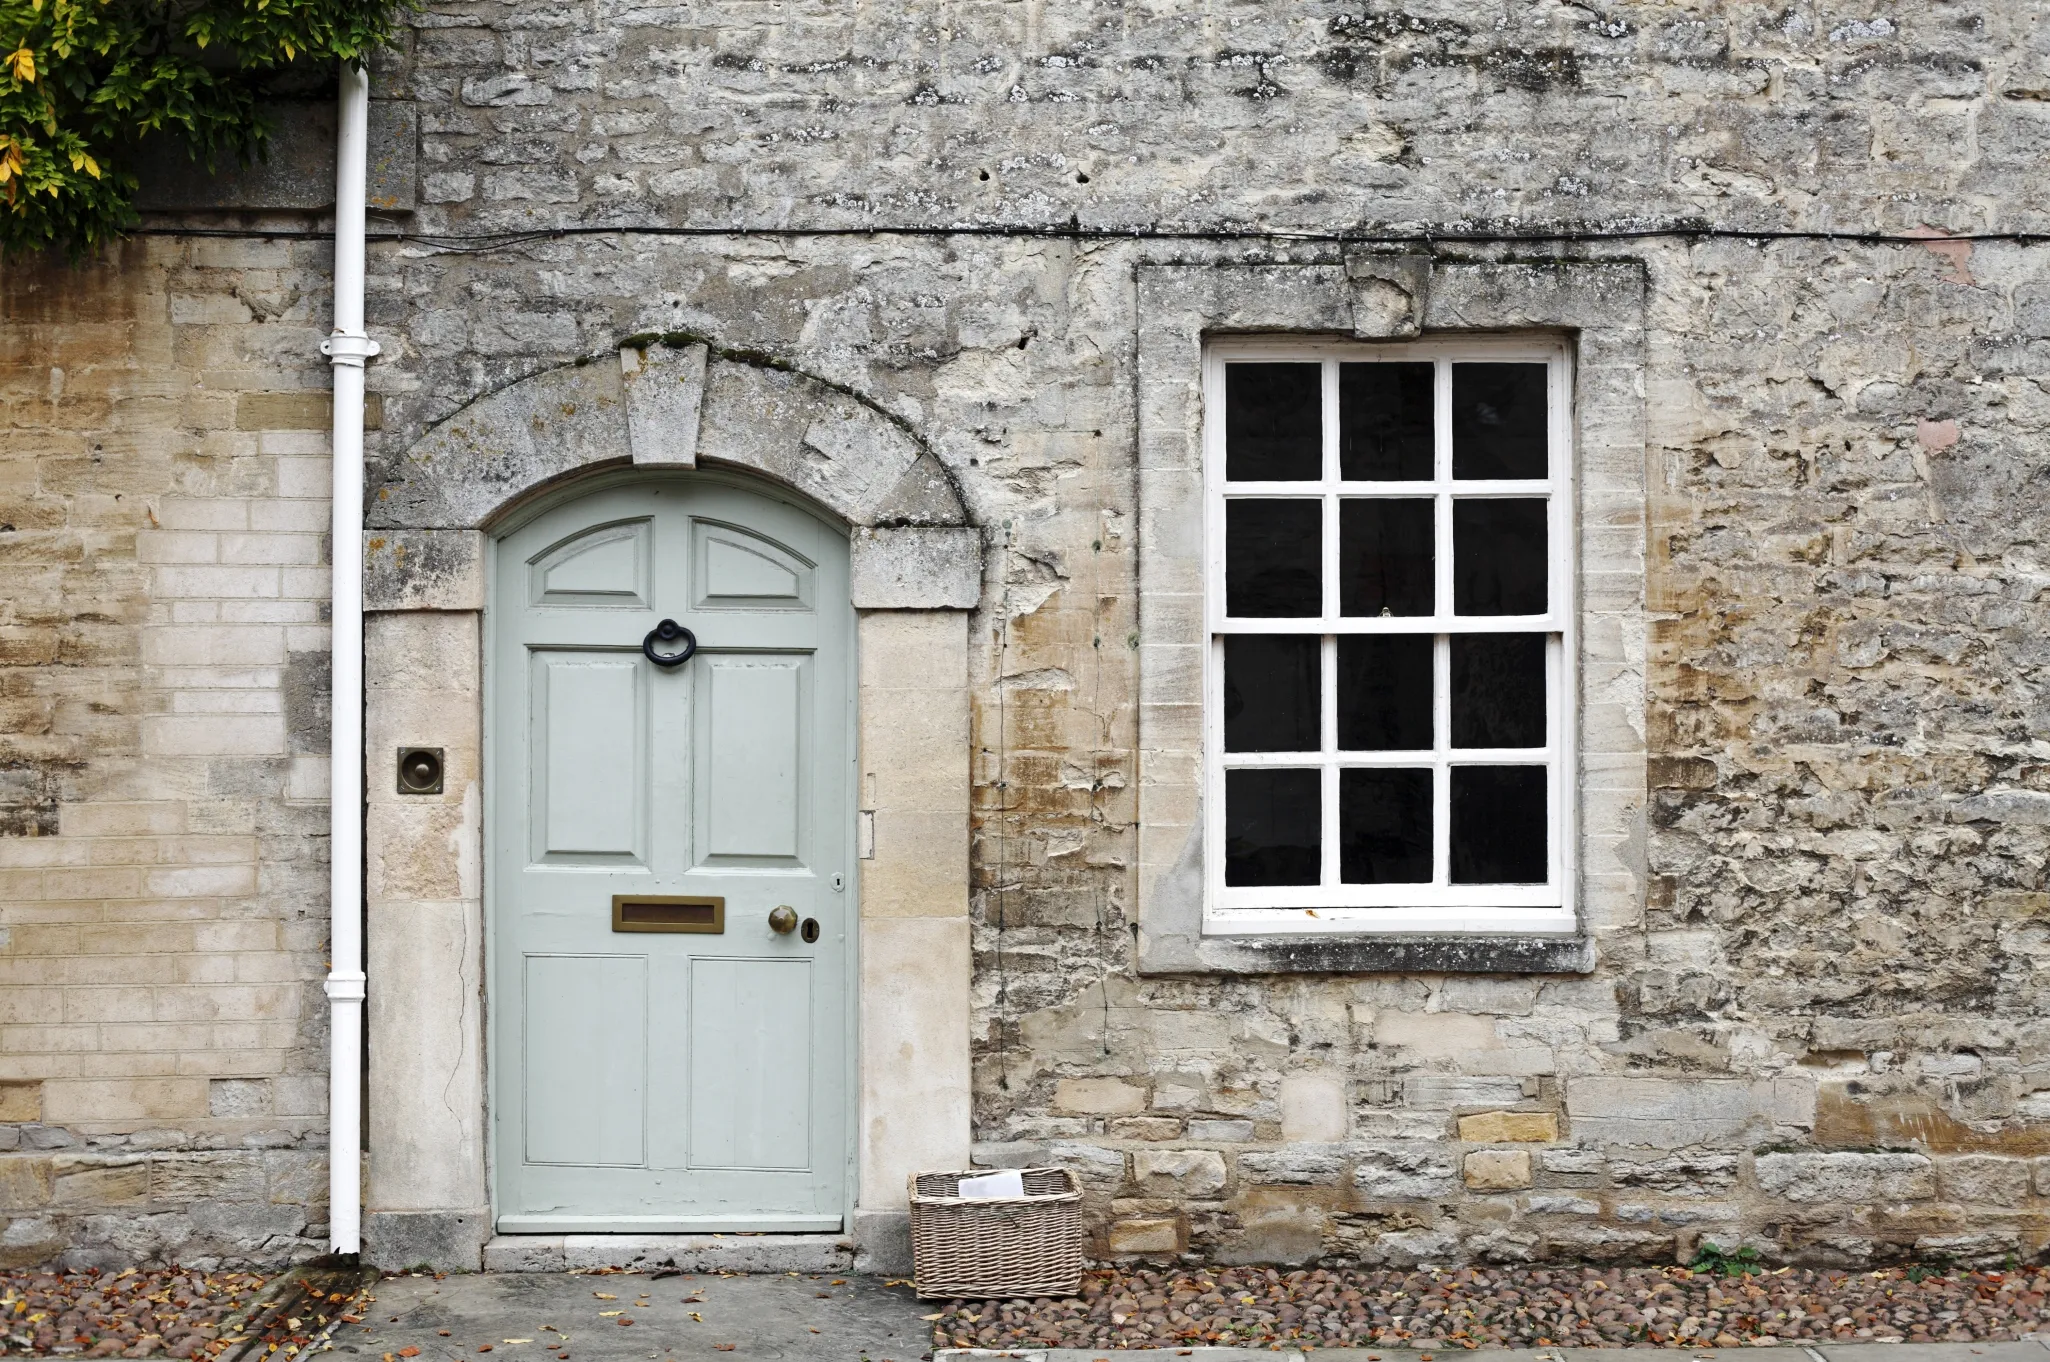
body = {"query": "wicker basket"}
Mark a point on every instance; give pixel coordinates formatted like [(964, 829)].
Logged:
[(1002, 1247)]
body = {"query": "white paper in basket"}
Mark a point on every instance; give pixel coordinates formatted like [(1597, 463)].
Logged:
[(1009, 1182)]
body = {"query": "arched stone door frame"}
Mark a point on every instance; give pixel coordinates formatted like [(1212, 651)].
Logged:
[(667, 403)]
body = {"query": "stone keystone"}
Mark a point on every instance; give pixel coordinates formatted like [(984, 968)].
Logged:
[(665, 397)]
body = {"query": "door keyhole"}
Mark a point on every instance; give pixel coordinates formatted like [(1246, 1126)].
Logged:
[(810, 930)]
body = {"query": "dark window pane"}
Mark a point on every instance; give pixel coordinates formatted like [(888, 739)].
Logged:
[(1273, 827), (1384, 557), (1498, 825), (1273, 422), (1498, 557), (1384, 422), (1384, 692), (1498, 421), (1384, 827), (1498, 690), (1273, 558), (1272, 684)]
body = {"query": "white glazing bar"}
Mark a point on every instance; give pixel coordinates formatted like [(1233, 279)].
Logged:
[(1327, 646), (1330, 424), (1479, 487), (1393, 624), (1556, 811), (1488, 756), (1327, 725), (1441, 772)]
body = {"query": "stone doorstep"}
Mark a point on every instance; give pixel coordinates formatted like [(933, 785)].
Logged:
[(2032, 1349), (686, 1252)]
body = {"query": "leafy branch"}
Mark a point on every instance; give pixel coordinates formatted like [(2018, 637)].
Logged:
[(87, 86)]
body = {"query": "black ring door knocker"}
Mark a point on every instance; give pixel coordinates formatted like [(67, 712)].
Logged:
[(668, 631)]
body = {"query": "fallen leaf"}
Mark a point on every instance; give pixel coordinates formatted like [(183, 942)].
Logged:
[(442, 1332), (622, 1323), (483, 1347), (519, 1340), (837, 1281), (813, 1330), (722, 1347), (941, 1315), (608, 1314), (605, 1296), (409, 1351), (698, 1317)]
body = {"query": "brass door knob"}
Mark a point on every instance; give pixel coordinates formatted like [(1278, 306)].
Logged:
[(783, 920)]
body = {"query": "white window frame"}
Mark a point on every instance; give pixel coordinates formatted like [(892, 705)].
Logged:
[(1438, 907)]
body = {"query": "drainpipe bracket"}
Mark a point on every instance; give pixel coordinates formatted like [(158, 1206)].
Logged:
[(342, 348), (345, 987)]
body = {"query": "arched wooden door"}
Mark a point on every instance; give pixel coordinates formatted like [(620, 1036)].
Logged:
[(664, 1058)]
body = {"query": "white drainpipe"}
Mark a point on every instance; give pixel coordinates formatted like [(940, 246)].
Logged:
[(347, 348)]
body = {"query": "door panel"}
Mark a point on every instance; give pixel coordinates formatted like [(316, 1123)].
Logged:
[(737, 569), (587, 743), (671, 1080), (605, 565), (750, 1104), (752, 729), (586, 1038)]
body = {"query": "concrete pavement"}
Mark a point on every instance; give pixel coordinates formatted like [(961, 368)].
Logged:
[(540, 1316)]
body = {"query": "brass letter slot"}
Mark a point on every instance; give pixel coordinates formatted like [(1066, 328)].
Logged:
[(654, 914)]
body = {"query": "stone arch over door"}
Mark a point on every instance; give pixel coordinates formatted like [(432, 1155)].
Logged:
[(665, 403)]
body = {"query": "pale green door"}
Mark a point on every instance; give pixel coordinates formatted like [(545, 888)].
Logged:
[(693, 1076)]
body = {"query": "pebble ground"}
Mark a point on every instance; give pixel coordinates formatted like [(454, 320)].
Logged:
[(1518, 1308), (171, 1313)]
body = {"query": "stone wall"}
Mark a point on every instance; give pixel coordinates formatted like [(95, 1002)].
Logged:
[(1821, 1032), (1818, 1033), (163, 755)]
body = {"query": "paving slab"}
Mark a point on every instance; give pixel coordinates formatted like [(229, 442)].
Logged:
[(500, 1317)]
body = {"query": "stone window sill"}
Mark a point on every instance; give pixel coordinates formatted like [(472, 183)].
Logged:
[(1331, 953)]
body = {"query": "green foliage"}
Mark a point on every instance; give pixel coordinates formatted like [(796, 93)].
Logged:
[(1722, 1262), (87, 86)]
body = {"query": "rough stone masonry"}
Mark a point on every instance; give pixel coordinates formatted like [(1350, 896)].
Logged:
[(1820, 1031)]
